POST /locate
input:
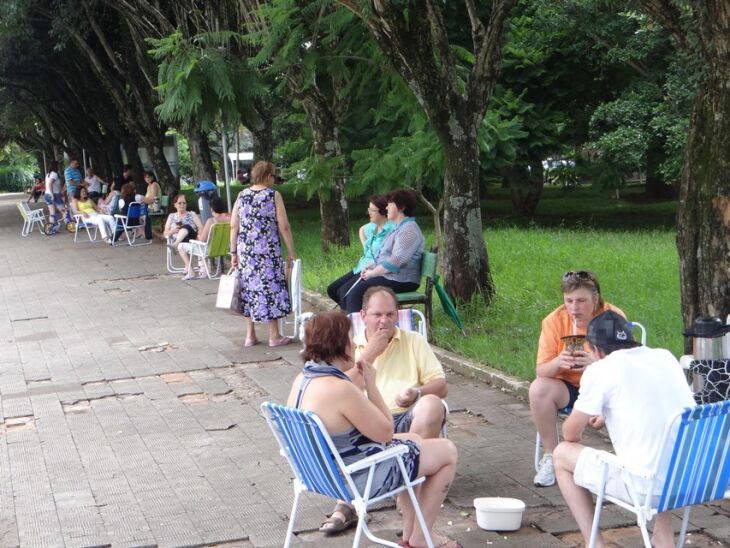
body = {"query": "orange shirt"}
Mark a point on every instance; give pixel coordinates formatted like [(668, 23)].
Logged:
[(559, 324)]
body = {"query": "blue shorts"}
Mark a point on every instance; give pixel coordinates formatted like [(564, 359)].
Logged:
[(55, 199), (402, 421), (572, 396)]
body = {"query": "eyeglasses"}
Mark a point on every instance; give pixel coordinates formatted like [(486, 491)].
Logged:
[(373, 210), (578, 275)]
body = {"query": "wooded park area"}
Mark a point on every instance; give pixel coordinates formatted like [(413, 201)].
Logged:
[(353, 97)]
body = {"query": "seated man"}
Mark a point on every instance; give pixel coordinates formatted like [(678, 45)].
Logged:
[(633, 390), (410, 378)]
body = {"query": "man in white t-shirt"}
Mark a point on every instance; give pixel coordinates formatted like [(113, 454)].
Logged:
[(633, 390)]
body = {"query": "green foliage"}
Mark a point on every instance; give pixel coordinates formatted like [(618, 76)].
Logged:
[(16, 168), (198, 80), (636, 266)]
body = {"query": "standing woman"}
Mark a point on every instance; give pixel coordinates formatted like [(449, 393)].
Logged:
[(257, 221), (372, 236), (152, 199)]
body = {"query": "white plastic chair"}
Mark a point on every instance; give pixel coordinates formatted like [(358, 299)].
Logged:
[(295, 295), (80, 223), (31, 217), (566, 410), (317, 466), (698, 470)]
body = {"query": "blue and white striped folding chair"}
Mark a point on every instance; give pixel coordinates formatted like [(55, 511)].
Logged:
[(318, 468), (698, 470), (565, 411)]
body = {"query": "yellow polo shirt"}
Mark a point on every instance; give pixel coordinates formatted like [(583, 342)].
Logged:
[(406, 362)]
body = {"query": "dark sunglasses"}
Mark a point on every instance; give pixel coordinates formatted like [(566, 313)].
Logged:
[(578, 275)]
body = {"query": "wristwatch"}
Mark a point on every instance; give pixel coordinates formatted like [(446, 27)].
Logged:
[(419, 393)]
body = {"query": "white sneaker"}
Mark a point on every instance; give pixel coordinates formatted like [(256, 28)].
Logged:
[(545, 476)]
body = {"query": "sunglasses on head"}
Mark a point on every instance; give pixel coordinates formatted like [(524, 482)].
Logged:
[(578, 275)]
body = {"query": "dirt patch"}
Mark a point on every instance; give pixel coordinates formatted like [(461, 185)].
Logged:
[(81, 406), (461, 419), (159, 347), (116, 290), (20, 423), (176, 378), (197, 398)]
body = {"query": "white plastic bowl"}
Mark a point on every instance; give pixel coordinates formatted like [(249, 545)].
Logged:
[(499, 514)]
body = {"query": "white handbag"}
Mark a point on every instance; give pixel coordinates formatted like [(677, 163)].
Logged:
[(229, 292)]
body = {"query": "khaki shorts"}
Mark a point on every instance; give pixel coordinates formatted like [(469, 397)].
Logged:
[(588, 472)]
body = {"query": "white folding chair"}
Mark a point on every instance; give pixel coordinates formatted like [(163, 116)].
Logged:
[(566, 410), (132, 223), (318, 468), (80, 223), (295, 295), (698, 470), (31, 217)]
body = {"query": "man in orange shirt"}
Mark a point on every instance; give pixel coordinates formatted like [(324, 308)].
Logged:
[(559, 368)]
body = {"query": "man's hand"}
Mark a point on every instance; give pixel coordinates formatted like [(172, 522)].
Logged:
[(377, 343), (407, 397), (597, 422)]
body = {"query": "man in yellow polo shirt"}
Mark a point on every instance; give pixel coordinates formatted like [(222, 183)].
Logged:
[(409, 376)]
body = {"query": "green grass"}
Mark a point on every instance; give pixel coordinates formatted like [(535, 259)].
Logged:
[(637, 268)]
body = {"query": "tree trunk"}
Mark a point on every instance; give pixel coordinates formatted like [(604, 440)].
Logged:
[(332, 201), (263, 139), (464, 247), (169, 184), (200, 155), (703, 217), (525, 187), (656, 188), (133, 159)]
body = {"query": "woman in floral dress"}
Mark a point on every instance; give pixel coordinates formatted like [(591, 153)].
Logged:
[(257, 221)]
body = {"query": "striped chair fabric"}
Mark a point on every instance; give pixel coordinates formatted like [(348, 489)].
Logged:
[(698, 470), (406, 320), (317, 466)]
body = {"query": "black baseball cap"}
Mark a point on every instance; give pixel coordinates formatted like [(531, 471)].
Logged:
[(610, 329)]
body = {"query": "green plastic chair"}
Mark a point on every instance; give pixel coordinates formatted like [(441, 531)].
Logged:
[(216, 247), (429, 262)]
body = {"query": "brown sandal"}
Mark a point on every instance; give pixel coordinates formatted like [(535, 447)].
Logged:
[(333, 525)]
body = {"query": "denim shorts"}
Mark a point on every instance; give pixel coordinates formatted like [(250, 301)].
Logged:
[(572, 396), (56, 199)]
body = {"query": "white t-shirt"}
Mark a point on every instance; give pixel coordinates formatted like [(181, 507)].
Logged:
[(53, 183), (637, 390), (94, 183)]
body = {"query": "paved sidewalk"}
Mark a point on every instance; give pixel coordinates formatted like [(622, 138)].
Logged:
[(130, 417)]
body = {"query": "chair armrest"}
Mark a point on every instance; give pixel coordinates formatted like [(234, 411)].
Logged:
[(613, 461), (389, 453), (118, 216), (196, 242)]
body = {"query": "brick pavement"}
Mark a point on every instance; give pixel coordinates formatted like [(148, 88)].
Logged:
[(130, 418)]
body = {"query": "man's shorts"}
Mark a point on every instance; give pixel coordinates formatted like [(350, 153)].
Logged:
[(56, 199), (572, 396), (402, 421), (588, 471)]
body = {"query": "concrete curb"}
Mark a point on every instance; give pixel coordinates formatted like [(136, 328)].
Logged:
[(455, 362)]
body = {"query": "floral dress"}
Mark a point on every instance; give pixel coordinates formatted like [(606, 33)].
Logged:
[(264, 295)]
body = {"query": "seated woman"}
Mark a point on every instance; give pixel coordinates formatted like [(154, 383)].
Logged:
[(372, 236), (361, 425), (91, 214), (182, 225), (218, 208), (398, 263), (559, 368)]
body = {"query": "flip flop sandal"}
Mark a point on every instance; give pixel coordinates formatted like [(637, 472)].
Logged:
[(333, 525), (250, 342), (281, 342)]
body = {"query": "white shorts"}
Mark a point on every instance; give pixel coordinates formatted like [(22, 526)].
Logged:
[(588, 471)]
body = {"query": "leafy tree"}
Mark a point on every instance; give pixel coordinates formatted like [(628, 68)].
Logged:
[(414, 38), (702, 28)]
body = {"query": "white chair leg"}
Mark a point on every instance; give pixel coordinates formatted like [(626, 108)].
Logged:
[(599, 506), (292, 516), (683, 529)]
